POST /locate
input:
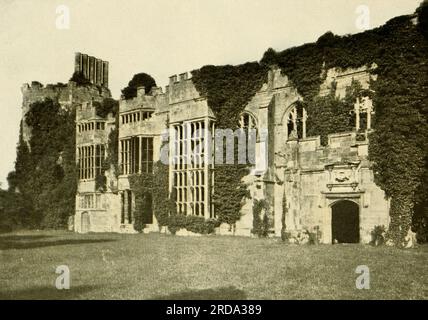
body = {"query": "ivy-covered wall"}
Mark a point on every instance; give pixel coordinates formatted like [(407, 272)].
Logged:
[(398, 144), (152, 195), (228, 89), (45, 168), (332, 114)]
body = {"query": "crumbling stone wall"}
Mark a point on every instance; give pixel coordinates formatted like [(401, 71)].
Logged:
[(69, 96)]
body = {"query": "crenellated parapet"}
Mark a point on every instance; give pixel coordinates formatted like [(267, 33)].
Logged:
[(181, 89), (87, 110), (69, 96)]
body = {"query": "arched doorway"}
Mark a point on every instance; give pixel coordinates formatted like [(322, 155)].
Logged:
[(345, 222), (85, 222)]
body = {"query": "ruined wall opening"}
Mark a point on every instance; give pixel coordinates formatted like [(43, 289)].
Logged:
[(345, 222), (248, 123), (295, 121)]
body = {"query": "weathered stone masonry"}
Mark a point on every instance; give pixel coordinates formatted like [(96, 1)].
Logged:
[(326, 188)]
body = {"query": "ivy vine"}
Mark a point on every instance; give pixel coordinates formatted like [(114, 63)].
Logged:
[(398, 145), (228, 89), (45, 169)]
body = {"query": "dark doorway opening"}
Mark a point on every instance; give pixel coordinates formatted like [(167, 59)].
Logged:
[(147, 214), (122, 206), (345, 222), (129, 206)]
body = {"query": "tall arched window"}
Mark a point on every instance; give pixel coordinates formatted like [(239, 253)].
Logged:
[(247, 121), (248, 124), (296, 122)]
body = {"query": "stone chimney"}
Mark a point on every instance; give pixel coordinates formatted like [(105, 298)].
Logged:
[(156, 91)]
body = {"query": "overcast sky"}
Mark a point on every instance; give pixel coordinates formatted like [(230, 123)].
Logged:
[(159, 37)]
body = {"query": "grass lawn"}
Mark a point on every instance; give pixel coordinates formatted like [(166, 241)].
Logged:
[(157, 266)]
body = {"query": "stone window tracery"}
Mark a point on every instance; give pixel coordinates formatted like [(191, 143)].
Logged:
[(88, 126), (296, 122), (136, 116), (248, 124), (136, 155), (90, 160), (90, 201), (247, 121), (190, 181), (361, 106)]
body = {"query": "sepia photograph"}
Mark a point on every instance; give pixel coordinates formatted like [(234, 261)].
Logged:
[(222, 151)]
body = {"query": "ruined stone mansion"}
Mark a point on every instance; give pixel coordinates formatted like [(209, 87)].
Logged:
[(328, 188)]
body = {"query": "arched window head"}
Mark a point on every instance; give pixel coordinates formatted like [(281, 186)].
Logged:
[(247, 121), (247, 138), (248, 124), (296, 122)]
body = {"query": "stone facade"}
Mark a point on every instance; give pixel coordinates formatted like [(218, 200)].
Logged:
[(305, 180), (151, 119), (97, 206), (308, 187), (72, 96), (69, 96)]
